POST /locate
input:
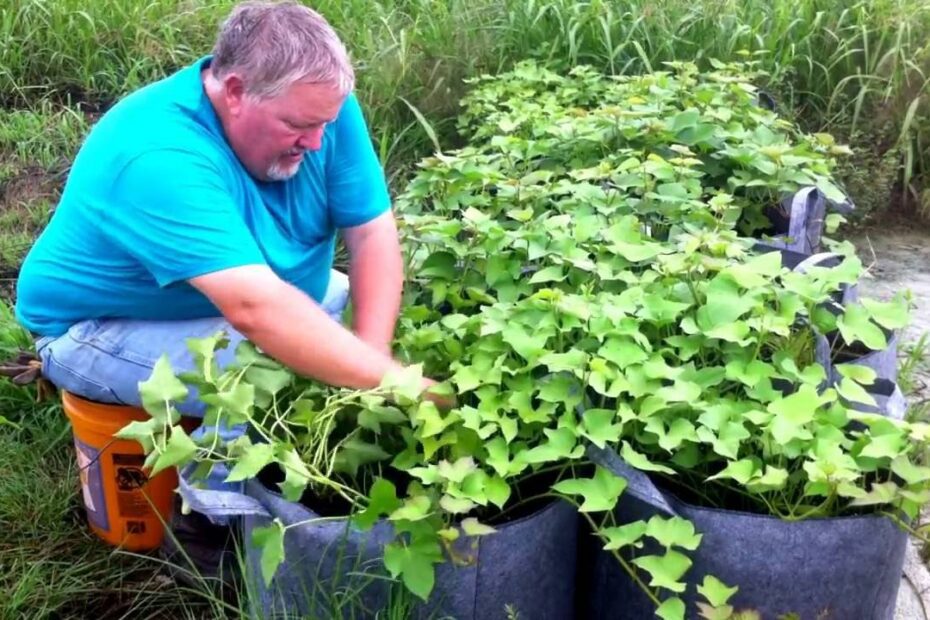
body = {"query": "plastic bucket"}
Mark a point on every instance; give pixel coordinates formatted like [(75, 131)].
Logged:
[(124, 506)]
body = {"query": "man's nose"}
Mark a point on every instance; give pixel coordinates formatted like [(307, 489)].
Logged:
[(311, 140)]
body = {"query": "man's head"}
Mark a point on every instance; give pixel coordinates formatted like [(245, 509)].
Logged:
[(279, 74)]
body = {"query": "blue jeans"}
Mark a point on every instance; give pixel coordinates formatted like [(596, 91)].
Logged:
[(104, 360)]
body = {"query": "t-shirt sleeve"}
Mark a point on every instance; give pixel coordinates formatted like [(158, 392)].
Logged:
[(355, 184), (178, 217)]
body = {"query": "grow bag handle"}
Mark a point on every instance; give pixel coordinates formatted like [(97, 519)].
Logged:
[(814, 260), (639, 485), (219, 505)]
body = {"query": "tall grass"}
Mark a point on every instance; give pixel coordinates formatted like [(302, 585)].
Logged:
[(858, 68)]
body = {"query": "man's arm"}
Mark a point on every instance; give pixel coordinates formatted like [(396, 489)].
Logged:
[(376, 279), (290, 327)]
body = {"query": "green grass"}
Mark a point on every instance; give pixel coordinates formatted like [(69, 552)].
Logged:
[(914, 377)]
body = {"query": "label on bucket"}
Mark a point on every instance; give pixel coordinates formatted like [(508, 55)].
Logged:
[(130, 483), (91, 475)]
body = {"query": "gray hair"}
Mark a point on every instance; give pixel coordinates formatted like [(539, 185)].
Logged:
[(272, 45)]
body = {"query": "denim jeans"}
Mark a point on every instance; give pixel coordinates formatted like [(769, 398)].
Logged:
[(105, 359)]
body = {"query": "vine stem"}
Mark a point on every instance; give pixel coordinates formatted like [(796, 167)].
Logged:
[(631, 571)]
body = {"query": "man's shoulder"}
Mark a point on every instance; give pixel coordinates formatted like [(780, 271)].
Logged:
[(168, 114)]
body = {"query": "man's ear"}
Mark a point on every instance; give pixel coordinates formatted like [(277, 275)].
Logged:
[(234, 93)]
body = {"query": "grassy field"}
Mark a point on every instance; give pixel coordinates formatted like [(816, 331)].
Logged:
[(858, 69)]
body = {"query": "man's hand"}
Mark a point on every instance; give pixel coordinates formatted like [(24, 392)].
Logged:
[(376, 279), (443, 401)]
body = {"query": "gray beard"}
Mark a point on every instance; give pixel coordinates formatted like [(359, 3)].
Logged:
[(276, 172)]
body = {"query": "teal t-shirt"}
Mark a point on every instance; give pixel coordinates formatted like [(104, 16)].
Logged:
[(156, 196)]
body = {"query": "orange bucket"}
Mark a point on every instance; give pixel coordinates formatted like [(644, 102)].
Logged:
[(124, 506)]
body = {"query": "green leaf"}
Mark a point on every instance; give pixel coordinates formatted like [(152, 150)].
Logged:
[(624, 535), (908, 471), (665, 570), (637, 252), (456, 472), (884, 446), (413, 509), (890, 315), (600, 492), (725, 304), (160, 388), (731, 332), (853, 392), (269, 380), (855, 325), (439, 265), (237, 401), (598, 426), (548, 274), (528, 346), (679, 431), (793, 412), (673, 531), (456, 505), (680, 392), (773, 479), (296, 475), (574, 360), (466, 378), (251, 461), (143, 432), (856, 372), (353, 453), (622, 351), (880, 493), (179, 450), (472, 527), (741, 471), (497, 491), (382, 500), (560, 388), (715, 591), (414, 564), (271, 541), (671, 609), (685, 120), (561, 444), (640, 462)]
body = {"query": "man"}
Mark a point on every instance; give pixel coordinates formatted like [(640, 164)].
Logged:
[(210, 200)]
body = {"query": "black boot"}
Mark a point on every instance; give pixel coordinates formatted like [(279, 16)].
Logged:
[(201, 552)]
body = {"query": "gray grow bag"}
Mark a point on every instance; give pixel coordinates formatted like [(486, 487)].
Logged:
[(836, 569), (883, 361), (798, 224), (528, 564)]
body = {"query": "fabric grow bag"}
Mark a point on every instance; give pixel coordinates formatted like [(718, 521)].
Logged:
[(528, 564), (883, 361), (798, 224), (834, 569)]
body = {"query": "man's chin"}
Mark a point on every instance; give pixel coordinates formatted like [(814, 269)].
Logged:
[(277, 172)]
